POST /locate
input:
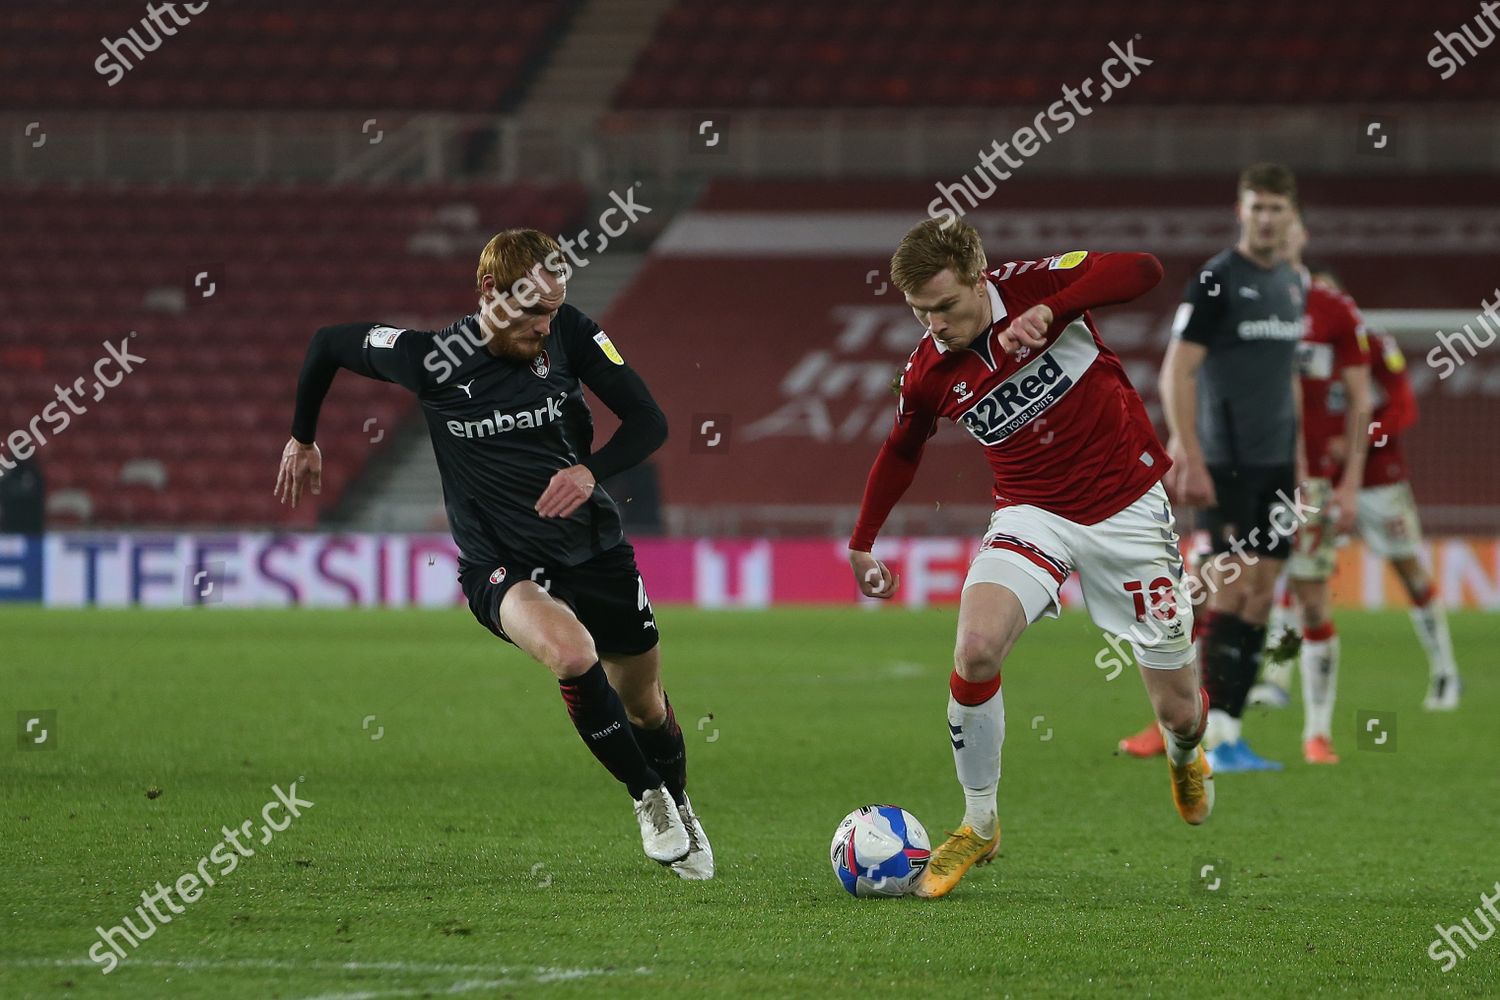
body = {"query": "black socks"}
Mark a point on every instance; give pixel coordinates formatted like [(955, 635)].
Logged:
[(599, 717), (664, 749), (1232, 650)]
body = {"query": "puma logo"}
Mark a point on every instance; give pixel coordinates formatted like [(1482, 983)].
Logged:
[(467, 387)]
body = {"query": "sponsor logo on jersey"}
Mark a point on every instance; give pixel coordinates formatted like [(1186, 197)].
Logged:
[(1068, 261), (1030, 392), (541, 365), (382, 336), (607, 346), (504, 423), (1270, 329), (498, 577)]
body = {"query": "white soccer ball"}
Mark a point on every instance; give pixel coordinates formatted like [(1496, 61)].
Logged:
[(879, 851)]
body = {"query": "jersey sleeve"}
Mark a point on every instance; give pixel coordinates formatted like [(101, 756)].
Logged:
[(1389, 368), (1073, 283), (407, 357), (896, 464), (1351, 342), (334, 347), (1201, 312), (599, 365)]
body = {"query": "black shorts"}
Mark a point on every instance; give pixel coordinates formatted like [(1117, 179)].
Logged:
[(1252, 510), (606, 593)]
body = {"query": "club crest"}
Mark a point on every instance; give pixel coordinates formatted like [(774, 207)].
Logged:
[(541, 365)]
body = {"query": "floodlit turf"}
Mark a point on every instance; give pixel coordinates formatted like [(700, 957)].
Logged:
[(464, 842)]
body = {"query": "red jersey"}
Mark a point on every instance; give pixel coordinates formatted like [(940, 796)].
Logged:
[(1061, 426), (1332, 340), (1395, 411)]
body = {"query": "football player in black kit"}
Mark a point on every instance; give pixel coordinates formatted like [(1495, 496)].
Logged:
[(543, 560)]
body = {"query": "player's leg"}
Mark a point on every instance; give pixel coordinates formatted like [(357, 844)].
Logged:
[(1320, 670), (1241, 578), (1389, 524), (1131, 569), (548, 630), (1012, 582), (611, 599), (638, 679), (1283, 642), (1314, 557), (1430, 621)]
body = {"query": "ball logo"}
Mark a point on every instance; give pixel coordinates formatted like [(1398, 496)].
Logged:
[(498, 576), (541, 365)]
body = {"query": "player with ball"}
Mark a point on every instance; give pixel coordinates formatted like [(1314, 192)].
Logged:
[(1007, 353)]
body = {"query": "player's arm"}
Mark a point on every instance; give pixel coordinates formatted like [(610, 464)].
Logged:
[(892, 474), (643, 426), (1356, 443), (1090, 281), (1354, 358), (1194, 328), (397, 359), (1399, 412)]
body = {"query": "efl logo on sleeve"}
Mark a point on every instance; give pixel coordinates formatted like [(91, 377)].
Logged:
[(1069, 260), (607, 346), (383, 336)]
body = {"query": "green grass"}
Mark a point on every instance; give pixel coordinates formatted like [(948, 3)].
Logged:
[(475, 848)]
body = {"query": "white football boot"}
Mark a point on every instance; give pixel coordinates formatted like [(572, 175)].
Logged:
[(663, 835), (1442, 693), (698, 866)]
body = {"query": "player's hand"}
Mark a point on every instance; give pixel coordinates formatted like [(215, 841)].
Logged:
[(1027, 330), (301, 468), (1188, 481), (875, 577), (1346, 505), (566, 492)]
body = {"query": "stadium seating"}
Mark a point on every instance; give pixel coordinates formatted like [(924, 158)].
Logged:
[(267, 55), (212, 403), (945, 53)]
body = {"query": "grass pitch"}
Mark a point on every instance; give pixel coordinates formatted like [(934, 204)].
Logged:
[(462, 841)]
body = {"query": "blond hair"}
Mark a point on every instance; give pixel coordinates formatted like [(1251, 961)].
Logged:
[(929, 247), (511, 255)]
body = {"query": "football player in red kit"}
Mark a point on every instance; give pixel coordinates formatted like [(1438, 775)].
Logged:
[(1004, 353), (1387, 520), (1333, 363)]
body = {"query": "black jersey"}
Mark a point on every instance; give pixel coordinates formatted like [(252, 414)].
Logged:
[(502, 428), (1250, 320)]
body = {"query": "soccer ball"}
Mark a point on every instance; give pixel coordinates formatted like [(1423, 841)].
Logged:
[(879, 851)]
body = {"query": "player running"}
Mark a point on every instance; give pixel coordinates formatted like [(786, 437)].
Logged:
[(1387, 521), (1006, 353), (543, 560), (1228, 387)]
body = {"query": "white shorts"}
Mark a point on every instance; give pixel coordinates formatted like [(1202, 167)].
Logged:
[(1388, 521), (1315, 548), (1129, 564)]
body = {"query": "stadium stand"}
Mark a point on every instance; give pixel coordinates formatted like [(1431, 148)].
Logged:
[(265, 55), (89, 266), (908, 53)]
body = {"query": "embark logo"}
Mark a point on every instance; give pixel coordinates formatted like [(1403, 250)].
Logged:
[(1270, 329), (504, 423), (1015, 402)]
